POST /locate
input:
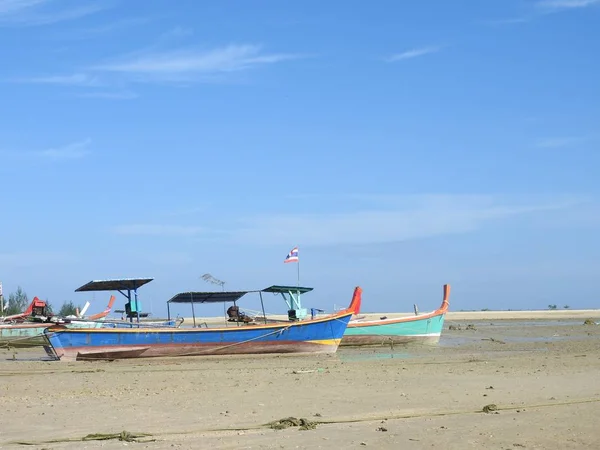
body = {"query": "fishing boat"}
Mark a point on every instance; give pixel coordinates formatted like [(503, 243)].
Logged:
[(27, 328), (420, 328), (298, 335), (142, 323)]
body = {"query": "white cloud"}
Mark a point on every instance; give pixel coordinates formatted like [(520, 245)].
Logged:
[(558, 142), (405, 218), (73, 150), (177, 32), (15, 6), (125, 95), (40, 12), (190, 64), (545, 7), (511, 21), (158, 230), (170, 259), (77, 79), (35, 258), (172, 66), (413, 53), (111, 27), (372, 220), (565, 4)]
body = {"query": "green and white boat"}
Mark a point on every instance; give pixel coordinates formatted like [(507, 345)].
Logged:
[(27, 329), (420, 328)]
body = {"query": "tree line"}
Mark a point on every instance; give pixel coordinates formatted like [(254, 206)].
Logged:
[(18, 302)]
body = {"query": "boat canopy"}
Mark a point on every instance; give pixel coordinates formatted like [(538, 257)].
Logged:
[(285, 289), (122, 284), (290, 294), (133, 307), (231, 296), (208, 297)]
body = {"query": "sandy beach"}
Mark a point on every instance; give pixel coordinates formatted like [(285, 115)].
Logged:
[(541, 378), (575, 314)]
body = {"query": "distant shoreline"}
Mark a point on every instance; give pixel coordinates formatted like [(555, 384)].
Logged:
[(550, 314)]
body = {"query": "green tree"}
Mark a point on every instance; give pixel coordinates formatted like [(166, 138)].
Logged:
[(49, 308), (551, 306), (566, 306), (17, 302), (67, 309)]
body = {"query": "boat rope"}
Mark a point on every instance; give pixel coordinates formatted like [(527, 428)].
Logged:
[(278, 331)]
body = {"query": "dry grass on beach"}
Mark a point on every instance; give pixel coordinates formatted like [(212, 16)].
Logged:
[(542, 379)]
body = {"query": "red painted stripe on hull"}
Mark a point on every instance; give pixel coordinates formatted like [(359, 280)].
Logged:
[(168, 350)]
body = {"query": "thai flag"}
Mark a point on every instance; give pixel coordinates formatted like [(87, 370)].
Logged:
[(292, 256)]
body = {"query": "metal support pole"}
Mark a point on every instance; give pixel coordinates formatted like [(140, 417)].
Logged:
[(193, 311), (237, 322), (263, 307), (129, 301), (137, 307)]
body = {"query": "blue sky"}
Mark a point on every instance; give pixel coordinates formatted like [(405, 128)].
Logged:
[(401, 145)]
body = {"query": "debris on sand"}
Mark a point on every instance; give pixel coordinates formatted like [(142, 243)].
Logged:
[(471, 327), (494, 340), (589, 322), (488, 409), (308, 371), (122, 436), (455, 327), (288, 422)]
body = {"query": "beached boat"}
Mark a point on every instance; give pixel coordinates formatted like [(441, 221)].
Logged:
[(27, 329), (318, 335), (420, 328), (142, 323)]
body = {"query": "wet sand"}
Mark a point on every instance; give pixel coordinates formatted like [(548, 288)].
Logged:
[(541, 375)]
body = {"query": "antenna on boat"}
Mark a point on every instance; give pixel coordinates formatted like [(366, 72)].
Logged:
[(210, 279)]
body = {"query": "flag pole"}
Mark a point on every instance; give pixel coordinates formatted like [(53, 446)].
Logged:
[(298, 269)]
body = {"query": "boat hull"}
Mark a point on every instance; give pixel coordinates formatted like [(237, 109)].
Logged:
[(25, 335), (423, 329), (22, 335), (314, 336), (395, 331)]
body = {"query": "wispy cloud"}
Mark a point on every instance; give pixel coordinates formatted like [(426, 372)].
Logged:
[(110, 27), (43, 12), (16, 6), (541, 8), (378, 219), (554, 5), (413, 53), (125, 95), (74, 150), (509, 21), (189, 65), (170, 259), (176, 67), (76, 79), (157, 230), (431, 216), (35, 258), (177, 32), (558, 142)]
